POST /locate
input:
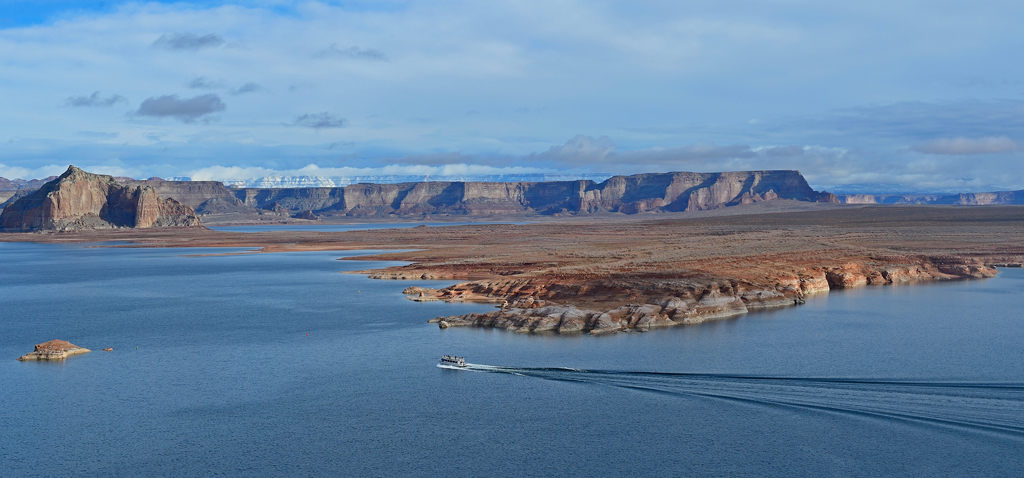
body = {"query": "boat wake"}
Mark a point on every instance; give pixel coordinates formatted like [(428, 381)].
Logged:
[(989, 408)]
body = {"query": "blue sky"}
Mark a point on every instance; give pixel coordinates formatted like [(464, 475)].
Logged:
[(929, 95)]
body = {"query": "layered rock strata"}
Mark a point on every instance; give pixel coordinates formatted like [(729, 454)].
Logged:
[(78, 200), (54, 350), (623, 194), (962, 199), (539, 305)]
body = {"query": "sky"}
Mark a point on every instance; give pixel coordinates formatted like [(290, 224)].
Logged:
[(914, 95)]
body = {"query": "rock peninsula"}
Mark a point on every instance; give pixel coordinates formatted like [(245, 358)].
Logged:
[(547, 306), (54, 350), (77, 200)]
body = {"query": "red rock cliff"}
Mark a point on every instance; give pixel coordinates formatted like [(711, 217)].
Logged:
[(78, 200)]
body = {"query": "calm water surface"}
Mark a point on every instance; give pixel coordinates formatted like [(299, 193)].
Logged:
[(213, 373)]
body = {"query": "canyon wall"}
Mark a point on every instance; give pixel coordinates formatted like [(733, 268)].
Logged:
[(679, 191), (962, 199), (78, 200), (623, 194)]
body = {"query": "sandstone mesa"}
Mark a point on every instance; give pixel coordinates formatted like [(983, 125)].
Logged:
[(654, 192)]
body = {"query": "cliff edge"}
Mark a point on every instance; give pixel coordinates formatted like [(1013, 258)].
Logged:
[(656, 192), (78, 200)]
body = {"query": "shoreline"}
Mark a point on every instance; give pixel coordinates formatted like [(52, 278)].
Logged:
[(687, 304), (643, 272), (519, 320)]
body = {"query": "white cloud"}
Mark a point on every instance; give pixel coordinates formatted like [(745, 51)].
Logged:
[(674, 84), (223, 173), (17, 172), (967, 146)]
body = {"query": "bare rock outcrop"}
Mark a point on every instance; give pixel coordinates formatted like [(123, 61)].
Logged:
[(541, 305), (54, 350), (678, 191), (78, 200)]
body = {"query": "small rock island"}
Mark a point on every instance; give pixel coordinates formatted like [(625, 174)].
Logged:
[(54, 350)]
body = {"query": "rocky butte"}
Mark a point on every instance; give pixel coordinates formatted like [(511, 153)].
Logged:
[(78, 200)]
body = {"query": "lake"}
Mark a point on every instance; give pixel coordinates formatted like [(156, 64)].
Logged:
[(279, 365)]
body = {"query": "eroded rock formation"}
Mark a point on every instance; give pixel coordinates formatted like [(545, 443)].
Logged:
[(538, 305), (624, 194), (78, 200), (54, 350)]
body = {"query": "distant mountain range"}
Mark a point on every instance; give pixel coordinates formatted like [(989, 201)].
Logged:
[(962, 199), (270, 182), (18, 184), (656, 192), (464, 194), (893, 189)]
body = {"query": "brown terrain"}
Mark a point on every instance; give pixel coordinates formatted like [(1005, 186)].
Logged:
[(77, 200), (612, 272), (54, 350)]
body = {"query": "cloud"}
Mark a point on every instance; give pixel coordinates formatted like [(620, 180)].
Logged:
[(94, 100), (320, 120), (351, 52), (247, 88), (783, 151), (967, 146), (204, 83), (98, 134), (185, 110), (579, 149), (223, 173), (669, 83), (584, 151), (18, 172), (916, 121), (188, 41)]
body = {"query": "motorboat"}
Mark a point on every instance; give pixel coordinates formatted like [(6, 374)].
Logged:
[(452, 361)]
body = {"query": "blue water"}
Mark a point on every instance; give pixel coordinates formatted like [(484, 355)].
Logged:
[(346, 227), (213, 373)]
